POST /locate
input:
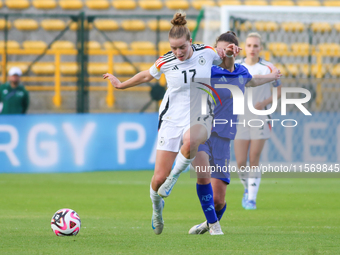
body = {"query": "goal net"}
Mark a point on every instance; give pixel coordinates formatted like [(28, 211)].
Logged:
[(303, 42)]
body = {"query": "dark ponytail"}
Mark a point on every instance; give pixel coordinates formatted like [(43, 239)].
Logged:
[(229, 36)]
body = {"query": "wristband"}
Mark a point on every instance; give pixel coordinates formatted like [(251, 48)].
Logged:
[(229, 56)]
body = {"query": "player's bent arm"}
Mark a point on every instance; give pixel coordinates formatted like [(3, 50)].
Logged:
[(269, 100), (229, 60), (141, 77), (259, 80), (228, 63), (279, 91), (232, 51)]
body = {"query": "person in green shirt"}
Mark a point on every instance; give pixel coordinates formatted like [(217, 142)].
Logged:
[(13, 96)]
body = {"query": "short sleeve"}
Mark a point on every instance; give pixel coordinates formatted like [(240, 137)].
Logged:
[(247, 75), (217, 62), (216, 58), (276, 83), (155, 72)]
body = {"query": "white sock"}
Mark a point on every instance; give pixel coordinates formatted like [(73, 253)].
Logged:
[(243, 178), (156, 199), (181, 164), (253, 188)]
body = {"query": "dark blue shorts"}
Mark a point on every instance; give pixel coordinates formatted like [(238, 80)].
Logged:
[(218, 149)]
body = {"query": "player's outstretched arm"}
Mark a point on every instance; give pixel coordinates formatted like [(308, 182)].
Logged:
[(141, 77), (258, 80)]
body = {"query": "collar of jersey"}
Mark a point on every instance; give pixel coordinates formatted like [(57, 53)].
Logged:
[(236, 66)]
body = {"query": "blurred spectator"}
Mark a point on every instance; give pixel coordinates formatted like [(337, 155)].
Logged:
[(13, 96)]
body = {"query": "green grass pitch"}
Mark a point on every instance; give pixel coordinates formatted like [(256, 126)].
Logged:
[(294, 216)]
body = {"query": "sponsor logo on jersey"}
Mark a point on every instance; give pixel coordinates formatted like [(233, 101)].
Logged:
[(201, 60), (175, 68)]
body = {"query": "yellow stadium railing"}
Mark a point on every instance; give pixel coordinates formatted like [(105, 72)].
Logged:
[(58, 79), (319, 63)]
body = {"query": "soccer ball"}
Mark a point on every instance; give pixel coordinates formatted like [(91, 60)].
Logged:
[(65, 222)]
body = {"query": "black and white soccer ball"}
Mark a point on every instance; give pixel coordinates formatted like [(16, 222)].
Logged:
[(65, 222)]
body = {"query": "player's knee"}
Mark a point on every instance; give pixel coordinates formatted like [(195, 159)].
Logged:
[(242, 164), (158, 180), (186, 141), (253, 160), (219, 202), (189, 146), (186, 146), (203, 181)]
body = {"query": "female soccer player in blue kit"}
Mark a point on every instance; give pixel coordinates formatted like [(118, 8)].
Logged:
[(216, 150)]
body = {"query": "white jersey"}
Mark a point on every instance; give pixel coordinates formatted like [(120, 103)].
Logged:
[(262, 92), (182, 99)]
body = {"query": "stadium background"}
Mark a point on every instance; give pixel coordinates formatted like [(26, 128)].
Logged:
[(63, 48), (294, 215)]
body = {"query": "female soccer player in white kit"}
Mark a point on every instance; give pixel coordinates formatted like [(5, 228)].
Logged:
[(253, 138), (178, 133)]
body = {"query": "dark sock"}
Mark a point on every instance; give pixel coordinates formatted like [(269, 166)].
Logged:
[(220, 213)]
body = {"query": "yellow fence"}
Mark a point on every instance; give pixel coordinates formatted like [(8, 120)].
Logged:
[(58, 79)]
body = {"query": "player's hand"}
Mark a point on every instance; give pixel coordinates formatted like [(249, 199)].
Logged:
[(259, 106), (277, 73), (113, 79), (220, 52), (232, 49)]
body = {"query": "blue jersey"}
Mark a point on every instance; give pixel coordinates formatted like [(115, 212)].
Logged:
[(239, 77)]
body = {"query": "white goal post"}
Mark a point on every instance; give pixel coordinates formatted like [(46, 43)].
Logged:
[(218, 19)]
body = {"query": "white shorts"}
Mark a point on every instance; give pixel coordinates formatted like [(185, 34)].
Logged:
[(252, 133), (170, 137)]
